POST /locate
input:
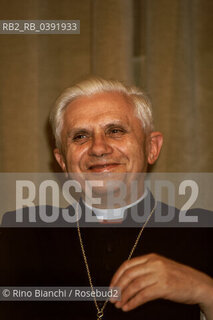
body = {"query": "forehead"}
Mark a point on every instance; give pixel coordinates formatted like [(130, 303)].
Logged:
[(112, 105)]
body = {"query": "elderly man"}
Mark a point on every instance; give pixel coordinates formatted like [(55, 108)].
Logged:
[(105, 127), (104, 132)]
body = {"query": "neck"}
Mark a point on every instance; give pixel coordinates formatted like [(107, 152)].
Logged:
[(113, 201)]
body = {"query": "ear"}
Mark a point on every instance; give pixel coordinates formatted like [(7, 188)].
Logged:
[(154, 144), (60, 159)]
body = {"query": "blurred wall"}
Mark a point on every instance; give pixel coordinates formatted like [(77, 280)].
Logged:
[(163, 46)]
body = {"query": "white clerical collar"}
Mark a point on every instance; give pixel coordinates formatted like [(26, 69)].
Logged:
[(116, 213)]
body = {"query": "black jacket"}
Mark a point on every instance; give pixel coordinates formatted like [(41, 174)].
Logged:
[(52, 257)]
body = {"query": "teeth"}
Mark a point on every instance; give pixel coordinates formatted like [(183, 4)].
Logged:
[(100, 166)]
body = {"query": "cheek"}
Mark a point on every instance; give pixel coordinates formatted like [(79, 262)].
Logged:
[(137, 156), (76, 156), (133, 150)]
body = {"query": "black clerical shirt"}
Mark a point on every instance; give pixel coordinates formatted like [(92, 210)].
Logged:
[(53, 257)]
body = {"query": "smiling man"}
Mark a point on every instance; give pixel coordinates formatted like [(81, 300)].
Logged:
[(102, 132), (105, 141), (105, 127)]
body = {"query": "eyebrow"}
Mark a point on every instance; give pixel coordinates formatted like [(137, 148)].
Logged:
[(74, 131), (115, 123)]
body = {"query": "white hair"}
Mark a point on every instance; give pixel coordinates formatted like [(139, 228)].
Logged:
[(93, 86)]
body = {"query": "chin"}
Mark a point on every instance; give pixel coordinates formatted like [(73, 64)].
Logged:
[(105, 186)]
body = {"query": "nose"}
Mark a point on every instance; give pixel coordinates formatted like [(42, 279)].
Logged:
[(100, 146)]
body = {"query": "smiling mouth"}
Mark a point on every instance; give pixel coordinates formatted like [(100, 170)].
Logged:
[(103, 167)]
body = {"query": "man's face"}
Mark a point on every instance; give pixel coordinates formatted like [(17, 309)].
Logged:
[(102, 134)]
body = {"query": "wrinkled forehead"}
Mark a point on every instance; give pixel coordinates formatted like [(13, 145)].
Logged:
[(105, 97), (111, 104)]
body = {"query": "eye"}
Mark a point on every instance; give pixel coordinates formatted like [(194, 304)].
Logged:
[(116, 132), (81, 137)]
